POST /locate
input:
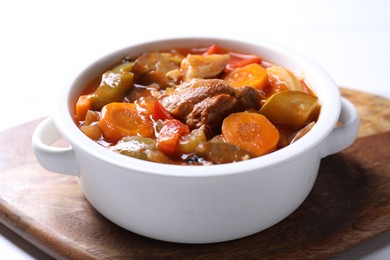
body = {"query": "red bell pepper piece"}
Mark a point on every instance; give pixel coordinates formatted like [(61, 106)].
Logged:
[(214, 49), (160, 112), (170, 135), (236, 60)]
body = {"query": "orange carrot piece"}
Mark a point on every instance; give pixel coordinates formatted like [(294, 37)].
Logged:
[(118, 120), (83, 104), (250, 131), (252, 75)]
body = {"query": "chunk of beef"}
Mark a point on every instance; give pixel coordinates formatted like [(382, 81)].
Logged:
[(248, 98), (210, 112), (152, 67), (181, 101)]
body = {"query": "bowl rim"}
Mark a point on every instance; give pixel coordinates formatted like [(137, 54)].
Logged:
[(329, 97)]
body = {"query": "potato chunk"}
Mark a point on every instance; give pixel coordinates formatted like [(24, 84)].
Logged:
[(152, 68), (203, 66), (219, 152), (282, 79), (291, 108)]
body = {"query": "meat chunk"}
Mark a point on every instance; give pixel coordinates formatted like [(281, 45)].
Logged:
[(181, 101), (248, 97), (211, 112)]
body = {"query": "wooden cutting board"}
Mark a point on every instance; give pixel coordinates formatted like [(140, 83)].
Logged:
[(350, 203)]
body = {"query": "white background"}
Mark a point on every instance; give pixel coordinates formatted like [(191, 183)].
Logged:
[(44, 44)]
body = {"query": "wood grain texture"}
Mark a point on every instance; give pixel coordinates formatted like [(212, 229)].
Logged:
[(374, 111), (350, 203)]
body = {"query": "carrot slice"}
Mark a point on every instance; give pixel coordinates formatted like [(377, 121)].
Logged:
[(118, 120), (252, 75), (250, 131), (83, 104)]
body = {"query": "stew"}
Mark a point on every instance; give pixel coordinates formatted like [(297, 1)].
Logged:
[(196, 107)]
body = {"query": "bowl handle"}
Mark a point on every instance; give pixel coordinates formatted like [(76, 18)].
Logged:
[(52, 158), (344, 135)]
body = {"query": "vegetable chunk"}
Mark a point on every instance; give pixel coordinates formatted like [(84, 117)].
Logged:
[(170, 135), (83, 104), (152, 68), (112, 88), (205, 67), (252, 75), (135, 146), (118, 120), (219, 152), (281, 79), (250, 131), (188, 143), (292, 108)]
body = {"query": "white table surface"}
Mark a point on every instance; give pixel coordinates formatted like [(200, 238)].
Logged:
[(43, 44)]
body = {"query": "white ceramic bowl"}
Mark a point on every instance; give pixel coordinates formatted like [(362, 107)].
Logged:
[(198, 204)]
